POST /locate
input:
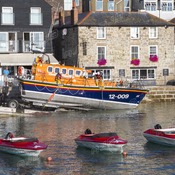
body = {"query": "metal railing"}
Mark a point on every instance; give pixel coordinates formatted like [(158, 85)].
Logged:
[(13, 46)]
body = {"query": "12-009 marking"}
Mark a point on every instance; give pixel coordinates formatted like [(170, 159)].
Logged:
[(119, 96)]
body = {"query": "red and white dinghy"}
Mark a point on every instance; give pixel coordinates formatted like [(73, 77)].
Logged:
[(21, 145), (101, 141), (160, 136)]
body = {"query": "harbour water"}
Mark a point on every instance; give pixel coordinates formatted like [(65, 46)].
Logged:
[(59, 130)]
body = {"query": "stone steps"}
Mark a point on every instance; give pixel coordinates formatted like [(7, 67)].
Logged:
[(160, 93)]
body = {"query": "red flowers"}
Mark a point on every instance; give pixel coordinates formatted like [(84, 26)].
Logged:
[(136, 62), (101, 62), (153, 58)]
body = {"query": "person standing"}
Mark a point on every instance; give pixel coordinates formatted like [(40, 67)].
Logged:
[(6, 73)]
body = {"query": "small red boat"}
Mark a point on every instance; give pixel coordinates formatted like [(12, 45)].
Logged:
[(160, 136), (101, 141), (21, 145)]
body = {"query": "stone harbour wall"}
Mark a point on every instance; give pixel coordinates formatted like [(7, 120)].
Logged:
[(160, 93)]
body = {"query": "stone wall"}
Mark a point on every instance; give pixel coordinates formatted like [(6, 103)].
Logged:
[(160, 93)]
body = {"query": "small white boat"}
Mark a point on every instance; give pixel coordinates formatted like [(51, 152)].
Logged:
[(160, 136), (101, 141)]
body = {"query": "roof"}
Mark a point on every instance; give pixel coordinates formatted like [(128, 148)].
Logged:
[(121, 19)]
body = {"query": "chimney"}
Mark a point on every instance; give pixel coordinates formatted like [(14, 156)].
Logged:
[(74, 13)]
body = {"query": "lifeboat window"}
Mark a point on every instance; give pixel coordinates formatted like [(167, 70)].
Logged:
[(50, 69), (71, 72), (63, 71), (78, 73), (57, 69)]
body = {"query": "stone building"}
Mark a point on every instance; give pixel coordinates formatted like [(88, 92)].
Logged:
[(136, 45)]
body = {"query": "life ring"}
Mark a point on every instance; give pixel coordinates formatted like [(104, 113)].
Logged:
[(9, 135), (20, 70)]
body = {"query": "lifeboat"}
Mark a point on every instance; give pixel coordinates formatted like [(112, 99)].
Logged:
[(101, 141), (21, 145)]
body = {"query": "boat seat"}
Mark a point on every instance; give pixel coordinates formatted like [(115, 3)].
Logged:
[(105, 135)]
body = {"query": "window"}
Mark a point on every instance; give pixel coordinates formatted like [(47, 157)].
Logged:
[(126, 6), (153, 50), (153, 32), (84, 48), (121, 72), (147, 73), (3, 42), (7, 16), (71, 72), (77, 2), (101, 32), (57, 70), (101, 51), (106, 73), (35, 16), (68, 4), (50, 69), (99, 5), (110, 5), (167, 5), (8, 42), (151, 5), (33, 41), (78, 73), (135, 74), (134, 52), (134, 33), (64, 71)]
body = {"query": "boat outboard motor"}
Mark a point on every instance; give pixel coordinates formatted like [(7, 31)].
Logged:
[(88, 131), (158, 126), (9, 135)]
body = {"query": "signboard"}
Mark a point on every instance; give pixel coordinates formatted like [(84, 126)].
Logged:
[(121, 72), (165, 72)]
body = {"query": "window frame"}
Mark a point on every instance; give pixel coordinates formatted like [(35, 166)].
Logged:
[(9, 45), (100, 4), (153, 32), (150, 5), (106, 73), (4, 17), (36, 11), (149, 75), (33, 43), (101, 32), (167, 5), (134, 32), (111, 4), (150, 50), (126, 5), (137, 53), (101, 55)]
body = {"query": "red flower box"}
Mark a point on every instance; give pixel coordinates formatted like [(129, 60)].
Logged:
[(101, 62), (136, 62), (153, 58)]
